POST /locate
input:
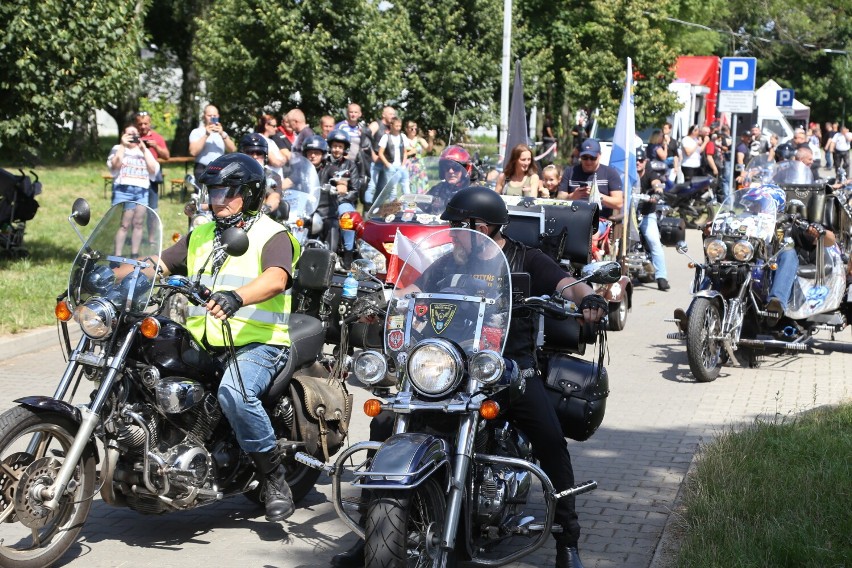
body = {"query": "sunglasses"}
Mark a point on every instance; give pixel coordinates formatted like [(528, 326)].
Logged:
[(271, 124), (464, 225), (588, 158), (454, 168), (142, 113), (256, 153)]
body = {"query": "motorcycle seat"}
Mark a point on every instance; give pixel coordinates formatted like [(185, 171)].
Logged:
[(809, 271), (307, 337)]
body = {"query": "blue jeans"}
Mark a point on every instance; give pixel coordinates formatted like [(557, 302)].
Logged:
[(259, 363), (784, 277), (649, 229), (377, 181)]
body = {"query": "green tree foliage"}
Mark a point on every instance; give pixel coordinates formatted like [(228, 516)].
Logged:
[(58, 63)]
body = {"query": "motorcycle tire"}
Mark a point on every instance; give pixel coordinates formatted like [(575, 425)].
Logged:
[(617, 315), (705, 355), (397, 525), (56, 531)]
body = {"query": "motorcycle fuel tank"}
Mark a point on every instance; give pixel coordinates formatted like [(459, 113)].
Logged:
[(174, 352)]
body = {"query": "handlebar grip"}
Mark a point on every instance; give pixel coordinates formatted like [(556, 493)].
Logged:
[(204, 292)]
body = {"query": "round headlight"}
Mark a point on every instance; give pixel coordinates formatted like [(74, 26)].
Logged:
[(715, 250), (486, 367), (369, 367), (96, 318), (743, 251), (434, 367)]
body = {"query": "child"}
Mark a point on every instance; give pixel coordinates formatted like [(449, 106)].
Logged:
[(550, 178)]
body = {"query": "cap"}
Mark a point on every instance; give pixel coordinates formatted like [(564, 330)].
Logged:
[(756, 126), (590, 147)]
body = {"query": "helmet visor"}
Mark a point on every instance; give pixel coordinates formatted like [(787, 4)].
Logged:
[(219, 193)]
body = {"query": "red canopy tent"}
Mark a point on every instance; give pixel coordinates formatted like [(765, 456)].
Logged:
[(701, 70)]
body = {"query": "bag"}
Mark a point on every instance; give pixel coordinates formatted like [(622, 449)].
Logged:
[(577, 389), (323, 407), (672, 230)]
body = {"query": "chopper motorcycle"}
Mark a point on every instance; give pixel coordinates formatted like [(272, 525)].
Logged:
[(455, 476), (151, 435)]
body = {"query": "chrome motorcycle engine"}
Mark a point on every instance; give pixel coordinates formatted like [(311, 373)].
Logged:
[(498, 488)]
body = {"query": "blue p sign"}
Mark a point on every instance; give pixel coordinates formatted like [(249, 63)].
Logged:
[(784, 98), (738, 74)]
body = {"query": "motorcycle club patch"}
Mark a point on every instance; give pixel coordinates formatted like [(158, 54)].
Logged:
[(420, 310), (395, 340), (396, 322), (440, 316)]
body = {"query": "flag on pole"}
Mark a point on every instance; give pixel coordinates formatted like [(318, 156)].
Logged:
[(518, 133), (623, 157)]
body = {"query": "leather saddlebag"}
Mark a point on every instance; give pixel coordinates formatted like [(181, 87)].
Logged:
[(672, 230), (323, 408), (578, 390)]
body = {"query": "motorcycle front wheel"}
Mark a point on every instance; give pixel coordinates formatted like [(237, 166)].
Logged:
[(399, 523), (32, 536), (704, 352)]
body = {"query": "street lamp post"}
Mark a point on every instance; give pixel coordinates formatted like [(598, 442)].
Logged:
[(845, 54)]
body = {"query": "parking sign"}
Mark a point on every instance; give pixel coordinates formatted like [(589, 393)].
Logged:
[(784, 98), (738, 74)]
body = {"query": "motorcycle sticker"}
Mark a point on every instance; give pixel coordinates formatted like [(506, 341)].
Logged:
[(396, 322), (390, 218), (440, 316), (396, 339), (408, 216), (491, 338), (420, 310)]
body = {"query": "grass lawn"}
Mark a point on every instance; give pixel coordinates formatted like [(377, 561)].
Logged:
[(30, 285), (773, 495)]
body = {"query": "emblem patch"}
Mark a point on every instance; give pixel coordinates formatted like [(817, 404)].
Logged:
[(420, 310), (395, 340), (396, 322), (440, 316)]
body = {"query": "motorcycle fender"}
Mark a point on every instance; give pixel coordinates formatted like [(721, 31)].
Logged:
[(50, 404), (407, 459), (712, 295)]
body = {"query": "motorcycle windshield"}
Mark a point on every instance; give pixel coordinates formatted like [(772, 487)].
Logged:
[(418, 192), (106, 265), (301, 187), (759, 170), (455, 285), (748, 213), (793, 172)]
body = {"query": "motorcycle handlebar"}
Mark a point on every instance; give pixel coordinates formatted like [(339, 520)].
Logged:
[(547, 306)]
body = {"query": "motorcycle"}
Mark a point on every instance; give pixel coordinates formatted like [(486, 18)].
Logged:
[(726, 319), (153, 409), (300, 198), (691, 200), (455, 476)]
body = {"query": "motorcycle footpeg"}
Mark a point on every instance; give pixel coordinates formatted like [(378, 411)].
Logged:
[(311, 461), (578, 489)]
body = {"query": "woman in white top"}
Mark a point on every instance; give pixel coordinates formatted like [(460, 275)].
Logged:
[(519, 177), (275, 157)]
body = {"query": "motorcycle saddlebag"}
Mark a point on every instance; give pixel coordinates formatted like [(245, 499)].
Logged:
[(672, 230), (578, 392)]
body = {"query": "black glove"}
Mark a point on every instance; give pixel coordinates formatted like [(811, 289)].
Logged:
[(229, 301), (594, 301)]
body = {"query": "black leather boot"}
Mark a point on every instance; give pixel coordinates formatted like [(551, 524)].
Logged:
[(278, 499), (567, 556), (346, 259), (352, 558)]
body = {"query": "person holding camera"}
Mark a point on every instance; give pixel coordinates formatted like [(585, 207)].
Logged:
[(209, 141), (158, 147), (693, 145), (133, 166)]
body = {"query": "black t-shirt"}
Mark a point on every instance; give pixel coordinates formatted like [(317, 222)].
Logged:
[(646, 207), (607, 178), (805, 247)]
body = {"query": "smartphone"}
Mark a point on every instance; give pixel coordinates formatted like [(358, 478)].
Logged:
[(134, 140), (214, 120)]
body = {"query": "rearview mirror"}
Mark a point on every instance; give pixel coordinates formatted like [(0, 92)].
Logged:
[(81, 212), (235, 241), (602, 272), (681, 247)]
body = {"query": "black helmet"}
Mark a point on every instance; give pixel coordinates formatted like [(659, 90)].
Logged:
[(477, 202), (785, 151), (640, 154), (254, 142), (337, 135), (315, 142), (241, 174)]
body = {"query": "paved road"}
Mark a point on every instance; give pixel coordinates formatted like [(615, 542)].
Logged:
[(656, 417)]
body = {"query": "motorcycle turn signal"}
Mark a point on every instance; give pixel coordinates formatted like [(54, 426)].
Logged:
[(62, 311), (489, 410), (372, 407)]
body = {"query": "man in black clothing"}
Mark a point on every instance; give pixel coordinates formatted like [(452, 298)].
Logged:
[(577, 180), (483, 210)]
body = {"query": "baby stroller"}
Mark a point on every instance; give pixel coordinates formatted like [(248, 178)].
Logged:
[(17, 206)]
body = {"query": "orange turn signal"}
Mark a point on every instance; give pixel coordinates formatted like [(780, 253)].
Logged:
[(150, 328), (489, 410), (773, 266), (346, 222), (372, 407), (300, 223), (691, 265), (62, 311)]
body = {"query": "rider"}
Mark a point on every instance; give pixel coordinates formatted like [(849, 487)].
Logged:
[(259, 278), (483, 210), (347, 184), (652, 184), (454, 166)]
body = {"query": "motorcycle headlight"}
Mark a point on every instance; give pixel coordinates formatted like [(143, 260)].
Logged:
[(715, 250), (367, 251), (96, 318), (434, 367), (369, 367), (486, 367), (743, 251)]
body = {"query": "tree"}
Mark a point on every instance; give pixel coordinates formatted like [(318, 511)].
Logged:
[(52, 80)]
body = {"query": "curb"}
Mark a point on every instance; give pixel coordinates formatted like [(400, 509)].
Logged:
[(34, 340), (668, 546)]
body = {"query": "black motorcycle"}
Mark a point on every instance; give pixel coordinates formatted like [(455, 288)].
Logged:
[(455, 477), (152, 405)]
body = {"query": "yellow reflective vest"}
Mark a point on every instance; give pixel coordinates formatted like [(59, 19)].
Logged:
[(266, 322)]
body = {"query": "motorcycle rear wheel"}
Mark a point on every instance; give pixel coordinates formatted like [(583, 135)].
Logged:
[(618, 315), (47, 535), (704, 354), (398, 523)]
